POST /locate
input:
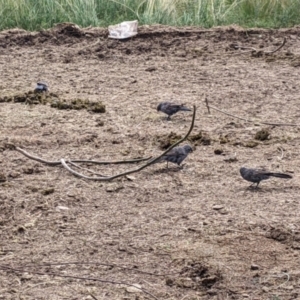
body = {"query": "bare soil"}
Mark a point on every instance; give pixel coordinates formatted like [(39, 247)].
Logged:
[(198, 232)]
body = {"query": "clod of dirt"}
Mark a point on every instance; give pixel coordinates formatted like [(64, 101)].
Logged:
[(69, 29), (254, 267), (2, 177), (166, 140), (199, 138), (255, 53), (30, 97), (199, 51), (295, 62), (78, 104), (97, 107), (285, 236), (262, 135), (20, 229), (218, 151), (231, 159), (28, 170), (100, 123), (196, 276), (279, 234), (47, 191), (250, 144), (150, 69), (224, 140)]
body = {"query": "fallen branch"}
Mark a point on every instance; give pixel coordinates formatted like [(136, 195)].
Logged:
[(247, 120), (207, 106), (277, 49), (86, 169), (56, 163), (108, 178), (64, 162)]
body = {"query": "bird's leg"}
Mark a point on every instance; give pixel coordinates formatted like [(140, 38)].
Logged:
[(257, 185), (168, 118)]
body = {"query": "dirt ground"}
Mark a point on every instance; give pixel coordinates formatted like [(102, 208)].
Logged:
[(198, 232)]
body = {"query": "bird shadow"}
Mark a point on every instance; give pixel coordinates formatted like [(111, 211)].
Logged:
[(266, 189), (167, 170)]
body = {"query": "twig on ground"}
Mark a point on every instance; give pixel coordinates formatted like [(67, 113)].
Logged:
[(93, 296), (247, 120), (86, 169), (56, 163), (207, 106), (16, 270), (277, 49), (282, 153)]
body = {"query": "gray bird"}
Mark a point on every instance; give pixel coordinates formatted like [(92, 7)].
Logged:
[(170, 108), (257, 175), (41, 87), (176, 155)]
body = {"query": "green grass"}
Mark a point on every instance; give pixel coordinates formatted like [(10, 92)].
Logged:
[(42, 14)]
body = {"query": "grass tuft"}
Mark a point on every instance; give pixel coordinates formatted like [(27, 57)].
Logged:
[(36, 15)]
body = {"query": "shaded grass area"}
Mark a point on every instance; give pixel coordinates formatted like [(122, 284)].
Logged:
[(36, 15)]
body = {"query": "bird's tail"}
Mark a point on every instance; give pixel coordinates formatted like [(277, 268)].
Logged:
[(185, 108), (279, 175)]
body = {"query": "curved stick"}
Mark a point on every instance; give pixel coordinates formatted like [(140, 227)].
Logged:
[(108, 178), (56, 163)]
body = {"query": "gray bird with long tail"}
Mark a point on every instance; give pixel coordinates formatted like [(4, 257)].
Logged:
[(171, 108), (176, 155), (257, 175)]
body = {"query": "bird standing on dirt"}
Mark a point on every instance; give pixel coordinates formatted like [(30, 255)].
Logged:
[(257, 175), (41, 87), (176, 155), (170, 108)]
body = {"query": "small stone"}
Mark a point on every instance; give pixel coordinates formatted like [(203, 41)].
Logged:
[(59, 207), (114, 187), (47, 191), (150, 69), (218, 151), (130, 178), (262, 135), (265, 289), (135, 288), (254, 267), (218, 207)]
